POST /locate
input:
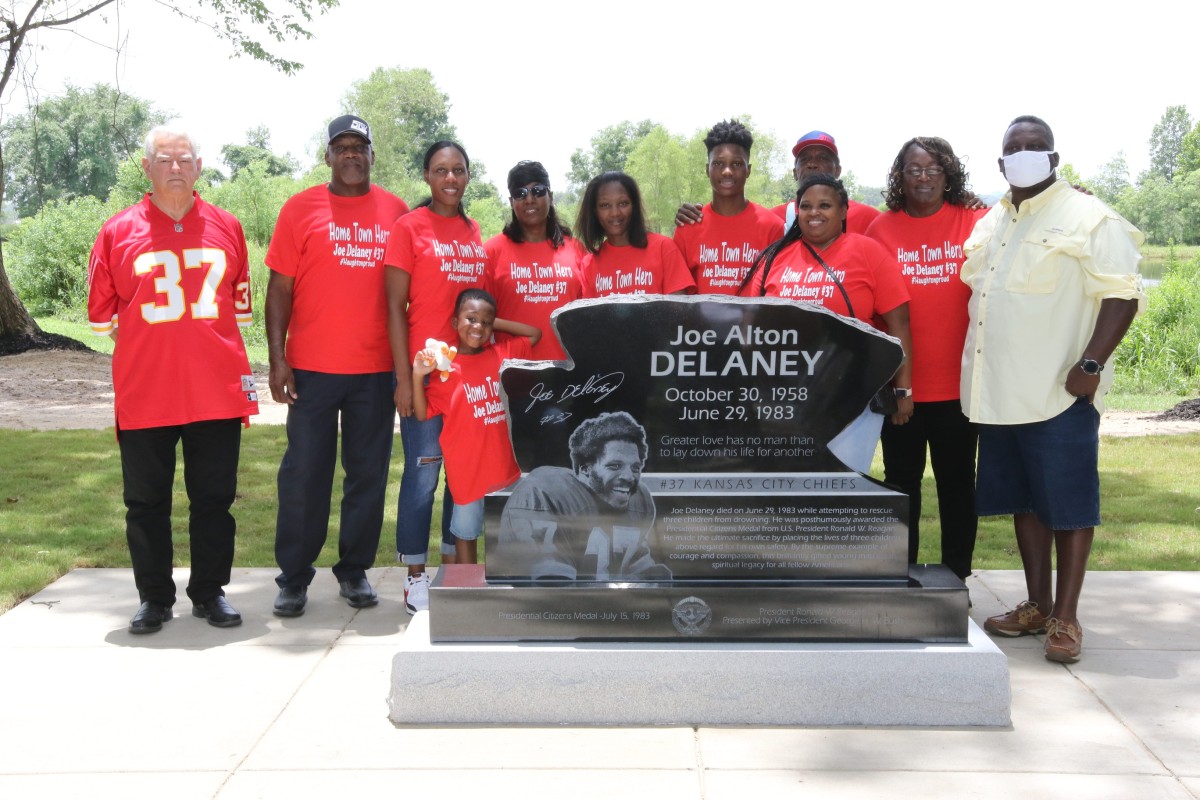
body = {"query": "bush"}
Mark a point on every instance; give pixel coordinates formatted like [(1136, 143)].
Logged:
[(46, 256), (254, 197), (1159, 354)]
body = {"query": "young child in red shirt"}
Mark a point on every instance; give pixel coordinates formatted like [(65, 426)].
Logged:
[(475, 443)]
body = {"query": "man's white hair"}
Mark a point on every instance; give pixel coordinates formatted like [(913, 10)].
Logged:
[(169, 130)]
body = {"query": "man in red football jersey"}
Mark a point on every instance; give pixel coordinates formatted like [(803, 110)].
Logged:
[(170, 276)]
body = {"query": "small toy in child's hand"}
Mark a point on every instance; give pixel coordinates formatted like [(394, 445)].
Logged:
[(443, 355)]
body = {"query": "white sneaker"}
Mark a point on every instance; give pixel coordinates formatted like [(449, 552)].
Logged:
[(416, 593)]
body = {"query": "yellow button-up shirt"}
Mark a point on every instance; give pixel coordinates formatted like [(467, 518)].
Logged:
[(1038, 275)]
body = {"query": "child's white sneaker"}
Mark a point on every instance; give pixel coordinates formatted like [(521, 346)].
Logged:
[(416, 593)]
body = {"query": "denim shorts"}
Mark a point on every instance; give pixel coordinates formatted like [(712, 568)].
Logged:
[(1047, 468), (466, 521)]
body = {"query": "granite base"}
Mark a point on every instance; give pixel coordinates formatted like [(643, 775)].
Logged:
[(699, 683)]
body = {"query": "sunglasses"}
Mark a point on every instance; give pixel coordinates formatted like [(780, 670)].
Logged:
[(537, 190)]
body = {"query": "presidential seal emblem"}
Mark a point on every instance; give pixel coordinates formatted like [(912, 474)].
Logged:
[(691, 616)]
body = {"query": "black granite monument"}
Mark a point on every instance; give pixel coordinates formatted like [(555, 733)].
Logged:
[(678, 484)]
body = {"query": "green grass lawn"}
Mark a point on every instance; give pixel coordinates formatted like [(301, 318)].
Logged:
[(62, 508)]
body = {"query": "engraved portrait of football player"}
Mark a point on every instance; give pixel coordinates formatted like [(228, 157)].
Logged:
[(592, 522)]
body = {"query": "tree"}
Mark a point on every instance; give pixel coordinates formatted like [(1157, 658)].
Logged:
[(1166, 141), (660, 165), (1187, 201), (71, 146), (1112, 180), (130, 186), (407, 113), (255, 197), (243, 23), (771, 181), (1189, 152), (1069, 174), (258, 149), (610, 149), (1154, 209)]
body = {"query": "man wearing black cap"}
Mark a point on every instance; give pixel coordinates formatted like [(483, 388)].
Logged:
[(331, 361)]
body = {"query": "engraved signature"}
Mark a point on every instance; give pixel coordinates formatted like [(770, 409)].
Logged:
[(599, 385)]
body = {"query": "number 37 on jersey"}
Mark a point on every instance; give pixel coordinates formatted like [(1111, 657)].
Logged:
[(170, 302), (191, 283)]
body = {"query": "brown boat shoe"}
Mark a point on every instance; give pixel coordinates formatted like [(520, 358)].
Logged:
[(1064, 641), (1023, 620)]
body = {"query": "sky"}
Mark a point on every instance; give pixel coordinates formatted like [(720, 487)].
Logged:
[(535, 80)]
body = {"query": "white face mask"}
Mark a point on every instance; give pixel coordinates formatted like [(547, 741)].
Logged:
[(1027, 168)]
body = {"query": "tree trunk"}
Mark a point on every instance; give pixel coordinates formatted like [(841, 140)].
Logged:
[(15, 322), (14, 319)]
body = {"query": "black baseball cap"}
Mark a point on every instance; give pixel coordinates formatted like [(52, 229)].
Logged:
[(348, 124)]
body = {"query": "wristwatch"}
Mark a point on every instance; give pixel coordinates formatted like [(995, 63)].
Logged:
[(1091, 366), (902, 392)]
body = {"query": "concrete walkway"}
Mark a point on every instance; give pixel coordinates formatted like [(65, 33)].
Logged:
[(296, 708)]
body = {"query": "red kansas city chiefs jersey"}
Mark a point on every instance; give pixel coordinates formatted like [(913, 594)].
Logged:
[(177, 293)]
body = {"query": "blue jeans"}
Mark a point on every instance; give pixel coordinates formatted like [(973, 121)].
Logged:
[(467, 520), (418, 486)]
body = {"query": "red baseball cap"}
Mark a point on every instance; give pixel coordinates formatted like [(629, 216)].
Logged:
[(817, 138)]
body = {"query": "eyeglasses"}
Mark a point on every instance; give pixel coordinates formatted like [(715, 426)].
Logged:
[(537, 190), (916, 172)]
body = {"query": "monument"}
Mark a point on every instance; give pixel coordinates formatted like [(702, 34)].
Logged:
[(679, 483), (684, 546)]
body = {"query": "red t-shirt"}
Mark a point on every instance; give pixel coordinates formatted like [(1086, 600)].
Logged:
[(333, 247), (475, 443), (720, 250), (530, 280), (657, 268), (177, 292), (443, 255), (859, 216), (929, 251), (867, 272)]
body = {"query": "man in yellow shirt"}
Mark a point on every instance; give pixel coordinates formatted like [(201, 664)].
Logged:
[(1054, 282)]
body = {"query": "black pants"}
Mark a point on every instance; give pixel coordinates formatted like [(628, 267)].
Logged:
[(210, 463), (951, 439), (367, 412)]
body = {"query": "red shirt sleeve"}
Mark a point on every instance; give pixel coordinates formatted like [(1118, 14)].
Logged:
[(676, 275)]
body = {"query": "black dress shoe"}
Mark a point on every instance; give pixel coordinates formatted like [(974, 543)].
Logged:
[(149, 618), (358, 593), (290, 601), (218, 612)]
